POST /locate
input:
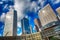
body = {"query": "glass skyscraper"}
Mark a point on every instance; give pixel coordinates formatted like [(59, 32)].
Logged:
[(25, 26)]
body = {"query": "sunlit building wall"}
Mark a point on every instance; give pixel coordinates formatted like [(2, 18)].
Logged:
[(47, 15), (49, 21)]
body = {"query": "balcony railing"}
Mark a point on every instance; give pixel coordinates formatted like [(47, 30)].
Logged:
[(51, 24)]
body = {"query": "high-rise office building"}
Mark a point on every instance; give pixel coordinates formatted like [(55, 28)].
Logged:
[(49, 21), (37, 24), (10, 28), (25, 26), (47, 15)]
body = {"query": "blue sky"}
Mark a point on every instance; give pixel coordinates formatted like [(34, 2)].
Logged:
[(29, 8)]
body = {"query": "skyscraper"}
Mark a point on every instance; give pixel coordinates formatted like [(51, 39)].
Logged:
[(25, 26), (47, 15), (37, 24), (10, 28)]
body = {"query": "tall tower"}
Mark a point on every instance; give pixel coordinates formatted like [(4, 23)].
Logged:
[(37, 24), (10, 28), (25, 26), (47, 15)]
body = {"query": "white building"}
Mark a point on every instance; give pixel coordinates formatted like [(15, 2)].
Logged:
[(47, 15), (10, 28)]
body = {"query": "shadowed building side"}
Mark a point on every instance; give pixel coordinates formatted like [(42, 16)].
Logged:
[(37, 24), (15, 23)]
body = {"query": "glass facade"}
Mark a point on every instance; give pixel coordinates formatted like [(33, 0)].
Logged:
[(25, 26)]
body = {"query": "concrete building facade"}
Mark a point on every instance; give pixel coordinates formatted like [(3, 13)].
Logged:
[(50, 23), (47, 15)]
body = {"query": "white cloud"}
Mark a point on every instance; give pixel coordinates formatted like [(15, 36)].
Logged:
[(18, 29), (4, 0), (37, 8), (0, 35), (19, 24), (1, 2), (41, 2), (2, 18), (5, 6), (19, 6), (34, 28), (26, 16), (56, 1), (7, 0), (19, 34), (34, 6)]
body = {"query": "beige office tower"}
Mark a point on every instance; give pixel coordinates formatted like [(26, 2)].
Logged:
[(37, 24), (47, 15), (58, 10), (10, 28)]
